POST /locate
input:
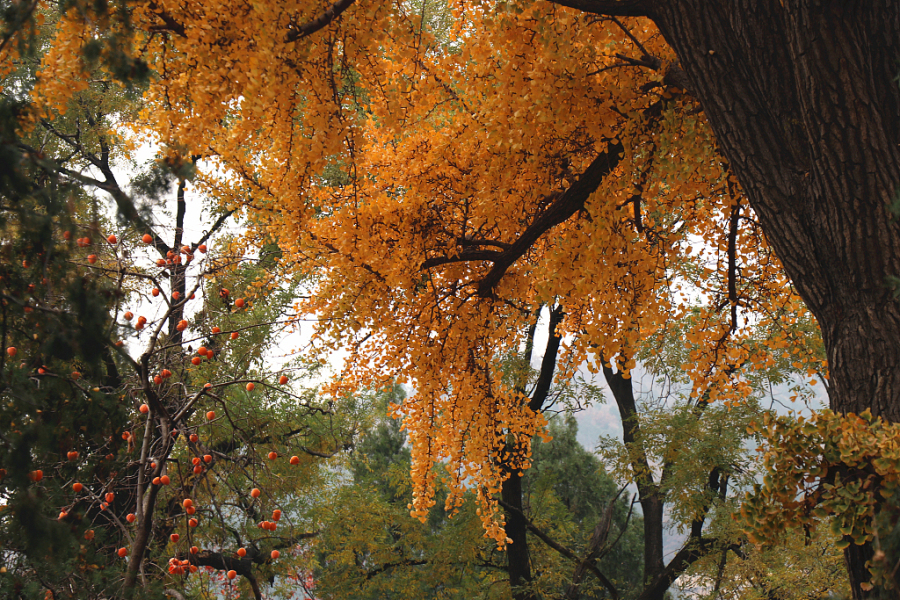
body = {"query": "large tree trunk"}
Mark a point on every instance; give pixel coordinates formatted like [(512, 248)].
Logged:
[(803, 100)]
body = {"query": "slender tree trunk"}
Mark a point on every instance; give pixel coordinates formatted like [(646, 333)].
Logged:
[(518, 561), (649, 495), (648, 490), (517, 555)]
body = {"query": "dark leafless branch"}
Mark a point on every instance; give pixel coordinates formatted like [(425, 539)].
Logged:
[(568, 203), (612, 8), (598, 540)]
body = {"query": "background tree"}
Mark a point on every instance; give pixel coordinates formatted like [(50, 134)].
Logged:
[(371, 546), (568, 495)]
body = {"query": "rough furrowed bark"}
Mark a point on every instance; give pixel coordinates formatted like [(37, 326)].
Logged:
[(803, 100), (804, 104)]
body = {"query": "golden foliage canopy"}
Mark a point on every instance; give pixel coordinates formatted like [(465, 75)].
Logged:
[(448, 170)]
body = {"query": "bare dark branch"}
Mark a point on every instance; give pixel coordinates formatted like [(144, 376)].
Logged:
[(612, 8)]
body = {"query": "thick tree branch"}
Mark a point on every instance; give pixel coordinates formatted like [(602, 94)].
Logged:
[(330, 14), (570, 202), (529, 338), (651, 497), (215, 226), (611, 8), (171, 25), (566, 205), (685, 557), (561, 208), (467, 254), (466, 242), (217, 560), (548, 362), (244, 566), (123, 201), (695, 548)]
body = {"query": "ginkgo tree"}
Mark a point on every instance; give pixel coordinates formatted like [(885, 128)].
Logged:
[(435, 240)]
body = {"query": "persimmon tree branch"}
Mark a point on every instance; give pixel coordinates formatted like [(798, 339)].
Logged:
[(141, 538), (244, 566)]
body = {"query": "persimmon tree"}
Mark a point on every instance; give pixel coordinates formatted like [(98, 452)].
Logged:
[(183, 451), (144, 434)]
